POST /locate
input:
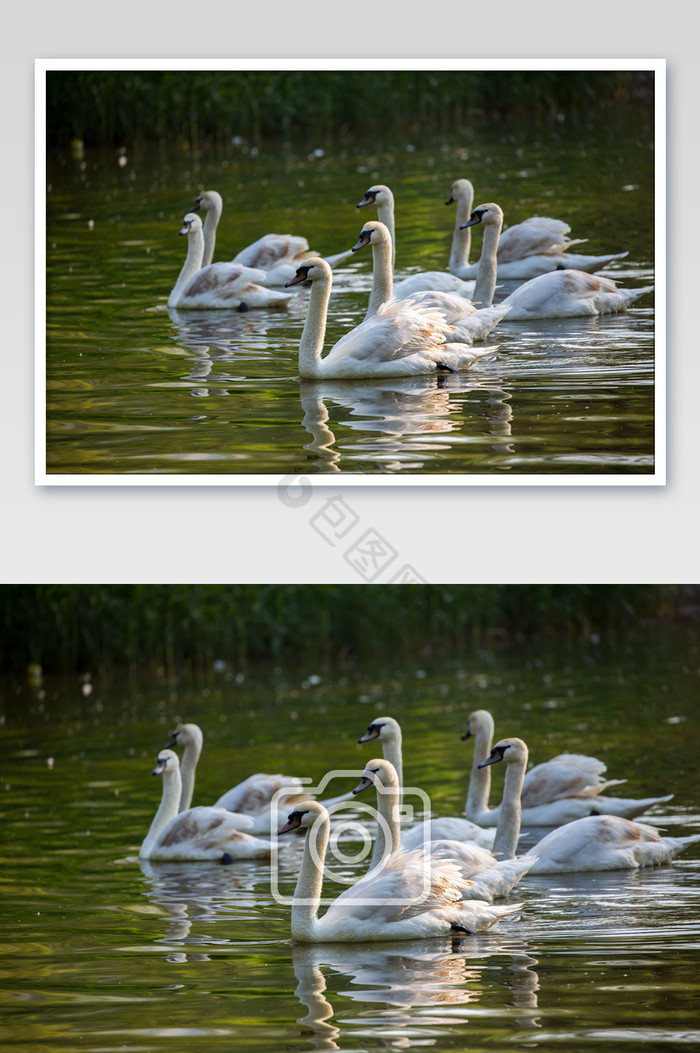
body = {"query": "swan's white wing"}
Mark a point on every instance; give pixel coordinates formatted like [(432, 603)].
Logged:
[(567, 775), (208, 833), (450, 305), (478, 325), (255, 793), (396, 330), (451, 828), (569, 293), (605, 842), (273, 249), (441, 281), (532, 237)]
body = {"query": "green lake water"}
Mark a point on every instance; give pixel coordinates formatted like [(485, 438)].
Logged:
[(102, 953), (135, 389)]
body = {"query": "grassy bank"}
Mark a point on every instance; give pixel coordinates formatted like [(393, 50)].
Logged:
[(173, 627)]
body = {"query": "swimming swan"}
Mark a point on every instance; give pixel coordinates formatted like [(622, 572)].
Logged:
[(469, 324), (199, 833), (391, 902), (265, 798), (558, 791), (491, 878), (381, 196), (220, 285), (454, 828), (558, 294), (398, 340), (597, 842), (535, 246), (278, 255)]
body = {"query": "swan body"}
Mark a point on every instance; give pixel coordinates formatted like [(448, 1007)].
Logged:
[(278, 255), (266, 799), (490, 878), (559, 294), (400, 339), (198, 833), (595, 842), (525, 250), (558, 791), (220, 285), (381, 196), (392, 902), (469, 325), (452, 828)]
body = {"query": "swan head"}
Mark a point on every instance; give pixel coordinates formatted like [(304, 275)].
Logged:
[(373, 233), (512, 751), (479, 720), (304, 816), (186, 735), (208, 199), (313, 270), (191, 225), (377, 195), (489, 215), (461, 188), (384, 728), (167, 763), (379, 773)]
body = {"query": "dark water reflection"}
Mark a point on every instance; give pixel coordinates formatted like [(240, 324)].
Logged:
[(103, 952), (135, 388)]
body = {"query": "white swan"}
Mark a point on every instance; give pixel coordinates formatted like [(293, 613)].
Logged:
[(555, 792), (220, 285), (278, 255), (399, 340), (452, 828), (491, 879), (381, 196), (199, 833), (265, 798), (597, 842), (535, 246), (558, 294), (397, 901), (469, 324)]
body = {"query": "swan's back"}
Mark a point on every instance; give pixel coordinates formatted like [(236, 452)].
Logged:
[(569, 293), (605, 842), (439, 281), (273, 249), (255, 794), (208, 833), (534, 236), (228, 285), (567, 775), (396, 331), (451, 828)]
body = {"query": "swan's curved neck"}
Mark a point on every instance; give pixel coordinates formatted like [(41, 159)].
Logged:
[(307, 894), (211, 222), (382, 279), (311, 344), (167, 810), (485, 284), (479, 778), (391, 751), (388, 808), (508, 828), (192, 264), (462, 239), (188, 766), (385, 215)]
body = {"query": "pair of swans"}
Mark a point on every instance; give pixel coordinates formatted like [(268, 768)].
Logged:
[(400, 339), (198, 833), (232, 286), (468, 324), (278, 255), (596, 842), (566, 788), (441, 281), (400, 900), (561, 293), (452, 828), (525, 250), (489, 877)]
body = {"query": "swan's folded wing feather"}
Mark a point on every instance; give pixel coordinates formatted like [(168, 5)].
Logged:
[(255, 793), (273, 249), (398, 329), (568, 775), (533, 237), (203, 824), (223, 281)]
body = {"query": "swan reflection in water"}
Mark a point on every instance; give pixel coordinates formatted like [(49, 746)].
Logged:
[(201, 892), (390, 410), (404, 976)]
